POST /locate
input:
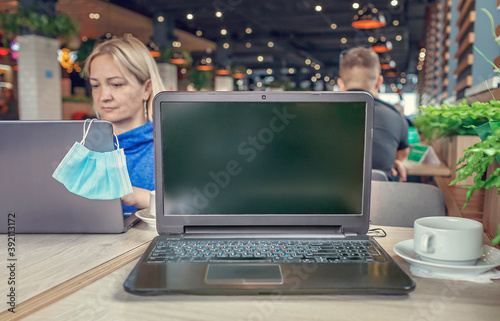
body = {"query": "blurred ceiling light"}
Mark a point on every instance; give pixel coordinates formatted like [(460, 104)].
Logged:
[(238, 73), (270, 44), (155, 53), (189, 16), (160, 19), (260, 59), (223, 32), (391, 73), (333, 26), (382, 45), (199, 33), (308, 61), (386, 62), (355, 5), (318, 8), (218, 14), (205, 64), (223, 71), (248, 30), (395, 23), (178, 58), (369, 18)]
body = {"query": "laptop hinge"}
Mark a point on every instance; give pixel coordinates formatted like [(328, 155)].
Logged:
[(266, 231)]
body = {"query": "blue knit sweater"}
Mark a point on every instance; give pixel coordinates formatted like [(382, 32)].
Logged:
[(138, 146)]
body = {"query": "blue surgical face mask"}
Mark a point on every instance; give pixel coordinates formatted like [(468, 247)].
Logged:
[(94, 175)]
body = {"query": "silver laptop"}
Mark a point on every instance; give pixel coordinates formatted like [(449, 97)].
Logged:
[(31, 200), (264, 192)]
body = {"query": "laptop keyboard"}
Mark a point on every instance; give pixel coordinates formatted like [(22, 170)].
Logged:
[(277, 251)]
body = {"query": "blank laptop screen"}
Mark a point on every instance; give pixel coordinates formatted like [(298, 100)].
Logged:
[(259, 158)]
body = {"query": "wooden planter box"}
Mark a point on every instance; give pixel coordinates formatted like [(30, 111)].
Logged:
[(441, 147), (454, 152), (491, 214)]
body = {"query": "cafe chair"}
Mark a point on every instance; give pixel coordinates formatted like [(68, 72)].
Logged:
[(378, 175), (401, 203)]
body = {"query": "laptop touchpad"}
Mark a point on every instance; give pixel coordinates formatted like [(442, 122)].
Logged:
[(243, 274)]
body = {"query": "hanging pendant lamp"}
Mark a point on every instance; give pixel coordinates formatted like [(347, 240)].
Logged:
[(178, 58), (391, 73), (223, 71), (205, 64), (387, 63), (382, 45), (369, 18), (238, 73)]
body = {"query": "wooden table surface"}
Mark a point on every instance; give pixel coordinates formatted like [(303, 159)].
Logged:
[(423, 169), (63, 263)]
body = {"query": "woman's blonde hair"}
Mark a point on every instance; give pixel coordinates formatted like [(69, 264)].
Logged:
[(132, 54)]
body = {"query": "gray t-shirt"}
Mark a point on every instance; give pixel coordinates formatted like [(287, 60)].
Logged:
[(390, 134)]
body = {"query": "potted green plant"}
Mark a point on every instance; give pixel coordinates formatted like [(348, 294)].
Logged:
[(480, 161), (478, 157), (201, 79), (449, 130), (28, 21)]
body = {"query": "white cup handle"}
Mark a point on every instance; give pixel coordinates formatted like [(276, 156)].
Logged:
[(424, 243)]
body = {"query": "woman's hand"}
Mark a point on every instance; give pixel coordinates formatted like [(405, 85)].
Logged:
[(139, 198)]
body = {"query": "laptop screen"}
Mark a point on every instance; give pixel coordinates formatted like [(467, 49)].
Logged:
[(262, 157)]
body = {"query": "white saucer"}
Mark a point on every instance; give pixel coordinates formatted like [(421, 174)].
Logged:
[(489, 260), (146, 217)]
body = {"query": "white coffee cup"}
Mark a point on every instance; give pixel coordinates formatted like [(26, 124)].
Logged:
[(152, 203), (448, 240)]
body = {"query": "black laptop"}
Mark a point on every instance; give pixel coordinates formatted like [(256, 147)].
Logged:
[(264, 193)]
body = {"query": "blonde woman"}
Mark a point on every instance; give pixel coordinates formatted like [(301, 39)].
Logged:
[(124, 79)]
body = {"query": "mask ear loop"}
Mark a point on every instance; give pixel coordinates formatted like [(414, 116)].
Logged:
[(117, 144), (86, 130)]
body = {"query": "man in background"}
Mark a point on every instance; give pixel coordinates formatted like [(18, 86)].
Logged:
[(360, 70)]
